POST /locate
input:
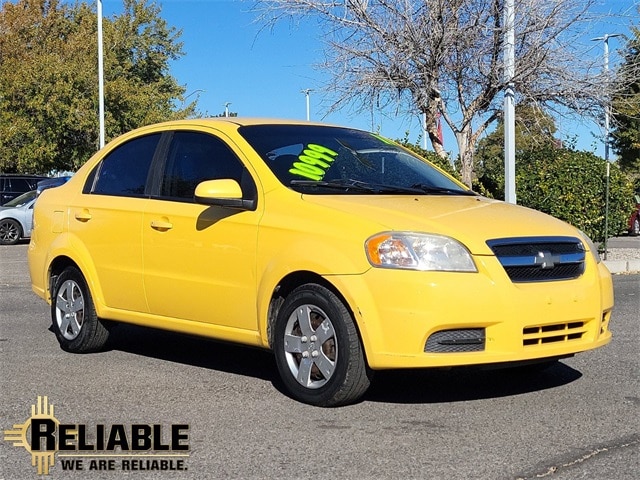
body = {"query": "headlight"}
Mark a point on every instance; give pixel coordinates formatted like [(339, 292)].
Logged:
[(418, 251), (592, 247)]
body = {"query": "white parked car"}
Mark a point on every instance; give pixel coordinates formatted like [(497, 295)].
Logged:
[(16, 218)]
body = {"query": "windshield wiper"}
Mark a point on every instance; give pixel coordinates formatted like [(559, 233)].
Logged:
[(441, 190), (345, 185), (354, 185)]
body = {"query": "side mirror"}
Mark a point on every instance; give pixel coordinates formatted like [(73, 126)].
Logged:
[(222, 193)]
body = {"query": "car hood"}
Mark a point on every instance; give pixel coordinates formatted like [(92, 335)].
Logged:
[(471, 220), (10, 209)]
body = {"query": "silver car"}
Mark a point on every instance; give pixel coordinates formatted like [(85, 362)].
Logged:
[(16, 218)]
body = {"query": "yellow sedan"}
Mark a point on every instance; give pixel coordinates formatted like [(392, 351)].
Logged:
[(339, 250)]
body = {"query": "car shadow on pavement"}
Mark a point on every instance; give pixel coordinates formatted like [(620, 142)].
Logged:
[(465, 383), (390, 386), (196, 351)]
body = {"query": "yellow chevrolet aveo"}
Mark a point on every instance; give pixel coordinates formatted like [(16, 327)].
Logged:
[(335, 248)]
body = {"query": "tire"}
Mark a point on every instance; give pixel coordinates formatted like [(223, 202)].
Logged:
[(10, 231), (74, 318), (317, 348), (635, 227)]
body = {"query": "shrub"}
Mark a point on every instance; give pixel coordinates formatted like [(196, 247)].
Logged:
[(571, 186)]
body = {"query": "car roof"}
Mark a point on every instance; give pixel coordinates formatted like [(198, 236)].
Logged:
[(222, 123), (243, 121)]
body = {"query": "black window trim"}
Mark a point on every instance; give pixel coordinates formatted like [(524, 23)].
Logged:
[(90, 182), (157, 171)]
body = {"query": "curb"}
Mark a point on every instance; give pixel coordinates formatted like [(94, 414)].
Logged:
[(623, 266)]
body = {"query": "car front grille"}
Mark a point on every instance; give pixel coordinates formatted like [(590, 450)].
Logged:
[(555, 333), (540, 259)]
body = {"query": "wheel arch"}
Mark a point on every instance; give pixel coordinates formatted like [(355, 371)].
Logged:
[(57, 266), (62, 255), (294, 280)]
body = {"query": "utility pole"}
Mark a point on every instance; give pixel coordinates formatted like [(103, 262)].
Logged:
[(607, 116), (509, 104), (424, 130), (100, 75)]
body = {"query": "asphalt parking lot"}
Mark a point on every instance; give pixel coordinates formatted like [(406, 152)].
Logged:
[(578, 419)]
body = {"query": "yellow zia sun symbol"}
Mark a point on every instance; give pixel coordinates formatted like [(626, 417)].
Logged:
[(18, 435)]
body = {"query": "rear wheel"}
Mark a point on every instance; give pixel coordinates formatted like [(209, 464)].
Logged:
[(635, 227), (74, 318), (10, 231), (318, 351)]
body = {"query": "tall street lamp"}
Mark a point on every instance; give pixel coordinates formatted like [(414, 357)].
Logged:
[(306, 92), (100, 75), (226, 108), (607, 116), (509, 104)]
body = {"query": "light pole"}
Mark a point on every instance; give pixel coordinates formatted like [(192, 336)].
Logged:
[(100, 75), (306, 92), (226, 108), (607, 116), (509, 104), (424, 130)]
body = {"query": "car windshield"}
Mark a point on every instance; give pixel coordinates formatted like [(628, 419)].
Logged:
[(21, 200), (333, 160)]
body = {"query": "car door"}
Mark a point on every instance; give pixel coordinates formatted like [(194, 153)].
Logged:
[(200, 261), (107, 219)]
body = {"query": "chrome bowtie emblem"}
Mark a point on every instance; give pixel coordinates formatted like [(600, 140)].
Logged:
[(546, 259)]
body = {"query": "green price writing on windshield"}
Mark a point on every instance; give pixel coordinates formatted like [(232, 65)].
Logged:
[(313, 162)]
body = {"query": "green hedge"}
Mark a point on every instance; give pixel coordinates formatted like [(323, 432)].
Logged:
[(571, 186)]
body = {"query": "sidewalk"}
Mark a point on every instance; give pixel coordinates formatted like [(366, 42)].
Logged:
[(623, 255)]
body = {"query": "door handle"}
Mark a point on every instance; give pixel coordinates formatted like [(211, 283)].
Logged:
[(83, 216), (161, 225)]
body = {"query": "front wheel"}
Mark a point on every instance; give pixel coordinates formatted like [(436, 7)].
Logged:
[(635, 227), (318, 351), (74, 318)]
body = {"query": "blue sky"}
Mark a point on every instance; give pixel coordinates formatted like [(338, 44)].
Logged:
[(228, 58)]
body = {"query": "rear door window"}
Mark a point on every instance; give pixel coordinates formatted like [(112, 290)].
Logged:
[(124, 171)]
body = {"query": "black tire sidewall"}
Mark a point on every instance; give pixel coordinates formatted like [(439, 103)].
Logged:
[(340, 318), (92, 334)]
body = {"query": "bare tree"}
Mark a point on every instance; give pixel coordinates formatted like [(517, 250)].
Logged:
[(444, 58)]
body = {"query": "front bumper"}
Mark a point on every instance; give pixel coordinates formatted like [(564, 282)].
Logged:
[(398, 311)]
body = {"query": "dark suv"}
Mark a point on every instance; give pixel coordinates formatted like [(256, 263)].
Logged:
[(13, 185)]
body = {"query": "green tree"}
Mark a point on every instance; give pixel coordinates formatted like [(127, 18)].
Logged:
[(626, 108), (571, 186), (534, 130), (49, 80)]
